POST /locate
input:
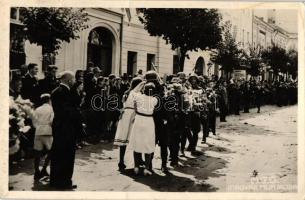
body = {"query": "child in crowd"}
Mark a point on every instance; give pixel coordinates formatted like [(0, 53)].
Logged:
[(42, 119)]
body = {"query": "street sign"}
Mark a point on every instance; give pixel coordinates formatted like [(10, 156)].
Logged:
[(239, 74)]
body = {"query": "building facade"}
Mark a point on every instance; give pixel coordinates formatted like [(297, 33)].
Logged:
[(117, 42)]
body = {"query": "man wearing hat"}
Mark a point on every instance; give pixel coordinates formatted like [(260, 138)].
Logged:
[(112, 80), (125, 83), (222, 100), (139, 73), (160, 118), (183, 79), (176, 120), (185, 131), (97, 73), (194, 115)]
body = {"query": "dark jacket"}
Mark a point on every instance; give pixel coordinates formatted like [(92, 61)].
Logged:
[(65, 129), (66, 114), (29, 88), (47, 85)]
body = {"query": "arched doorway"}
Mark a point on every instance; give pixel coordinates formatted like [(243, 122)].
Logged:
[(100, 49), (200, 66)]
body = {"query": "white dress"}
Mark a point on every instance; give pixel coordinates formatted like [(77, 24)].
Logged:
[(122, 134), (142, 138)]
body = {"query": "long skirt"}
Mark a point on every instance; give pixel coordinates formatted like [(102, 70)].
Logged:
[(125, 124), (142, 138)]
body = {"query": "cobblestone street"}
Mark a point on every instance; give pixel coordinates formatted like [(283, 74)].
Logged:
[(239, 158)]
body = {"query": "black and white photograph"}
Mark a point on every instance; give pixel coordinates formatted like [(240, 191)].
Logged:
[(150, 99)]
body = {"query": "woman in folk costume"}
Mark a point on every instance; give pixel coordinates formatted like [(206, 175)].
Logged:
[(126, 119), (142, 138)]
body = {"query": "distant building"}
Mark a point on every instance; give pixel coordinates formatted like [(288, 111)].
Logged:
[(242, 27), (267, 32), (117, 42)]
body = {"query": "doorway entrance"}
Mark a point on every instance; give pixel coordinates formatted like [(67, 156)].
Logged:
[(131, 63), (99, 53), (200, 66)]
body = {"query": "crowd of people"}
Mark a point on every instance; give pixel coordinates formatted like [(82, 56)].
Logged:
[(138, 112)]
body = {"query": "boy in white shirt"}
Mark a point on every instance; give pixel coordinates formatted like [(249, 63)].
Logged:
[(42, 119)]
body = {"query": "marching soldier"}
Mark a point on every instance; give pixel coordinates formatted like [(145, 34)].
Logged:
[(212, 97), (222, 100), (258, 95), (246, 93), (185, 131), (176, 121), (194, 114), (160, 118)]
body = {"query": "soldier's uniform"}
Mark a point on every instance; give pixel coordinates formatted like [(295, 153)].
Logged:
[(185, 133), (176, 121), (160, 118), (195, 112), (246, 94), (205, 120), (222, 102), (258, 93), (212, 97)]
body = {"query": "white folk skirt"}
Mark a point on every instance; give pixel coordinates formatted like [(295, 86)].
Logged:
[(142, 138), (125, 124)]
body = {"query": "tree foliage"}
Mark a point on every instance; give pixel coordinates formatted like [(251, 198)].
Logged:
[(253, 59), (228, 55), (185, 29), (292, 62), (49, 27), (276, 57)]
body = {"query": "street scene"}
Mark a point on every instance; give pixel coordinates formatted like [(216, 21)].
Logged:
[(146, 99), (228, 164)]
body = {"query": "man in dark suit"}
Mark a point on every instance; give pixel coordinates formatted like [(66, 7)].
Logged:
[(29, 88), (65, 124), (49, 83)]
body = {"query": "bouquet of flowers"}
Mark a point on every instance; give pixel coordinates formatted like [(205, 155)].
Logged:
[(18, 110), (198, 100)]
